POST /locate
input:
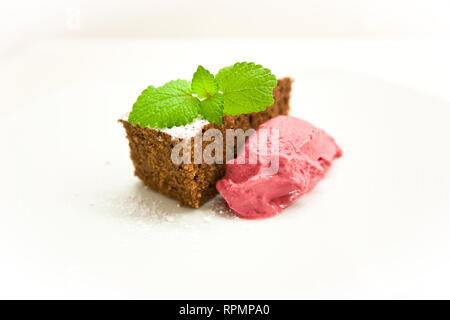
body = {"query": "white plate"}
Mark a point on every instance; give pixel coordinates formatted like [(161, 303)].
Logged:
[(76, 223)]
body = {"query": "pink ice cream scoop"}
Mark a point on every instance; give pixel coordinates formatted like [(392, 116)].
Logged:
[(283, 160)]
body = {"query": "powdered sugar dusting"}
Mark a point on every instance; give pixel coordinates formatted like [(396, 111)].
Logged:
[(147, 208), (139, 205), (220, 208), (187, 131), (182, 132)]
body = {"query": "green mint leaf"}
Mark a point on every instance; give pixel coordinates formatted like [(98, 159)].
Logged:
[(247, 88), (212, 108), (169, 105), (139, 114), (203, 83)]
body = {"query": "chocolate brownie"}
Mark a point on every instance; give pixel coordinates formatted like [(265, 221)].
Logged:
[(191, 184)]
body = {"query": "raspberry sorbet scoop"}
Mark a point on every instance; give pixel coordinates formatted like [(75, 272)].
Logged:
[(267, 177)]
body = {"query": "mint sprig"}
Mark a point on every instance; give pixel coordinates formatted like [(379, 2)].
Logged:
[(242, 88)]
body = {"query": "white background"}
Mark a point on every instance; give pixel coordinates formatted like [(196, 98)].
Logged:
[(75, 223)]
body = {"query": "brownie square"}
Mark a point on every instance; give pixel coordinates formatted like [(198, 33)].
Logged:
[(190, 183)]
